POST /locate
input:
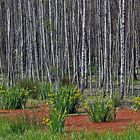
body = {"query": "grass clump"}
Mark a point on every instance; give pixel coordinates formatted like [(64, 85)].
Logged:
[(101, 109), (13, 98), (61, 102), (136, 103), (37, 89)]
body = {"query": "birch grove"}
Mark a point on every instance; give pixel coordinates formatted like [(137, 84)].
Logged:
[(94, 44)]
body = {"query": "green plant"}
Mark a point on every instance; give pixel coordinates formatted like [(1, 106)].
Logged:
[(43, 89), (62, 102), (19, 125), (23, 122), (56, 120), (58, 113), (2, 89), (136, 103), (116, 99), (101, 109), (37, 90), (74, 101), (30, 86), (13, 98), (71, 95), (67, 97), (37, 133)]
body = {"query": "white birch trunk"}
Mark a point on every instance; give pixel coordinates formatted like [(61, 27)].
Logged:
[(83, 47), (122, 34)]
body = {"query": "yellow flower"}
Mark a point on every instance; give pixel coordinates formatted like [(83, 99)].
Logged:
[(136, 103), (77, 95), (46, 121), (86, 105), (110, 103), (51, 102), (24, 92)]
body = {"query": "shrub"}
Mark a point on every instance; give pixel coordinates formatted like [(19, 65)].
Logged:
[(58, 113), (56, 120), (71, 96), (13, 98), (43, 90), (101, 109), (74, 102), (116, 99), (67, 97), (62, 102), (136, 103), (37, 89), (31, 86)]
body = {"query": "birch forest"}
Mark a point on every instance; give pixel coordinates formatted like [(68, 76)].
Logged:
[(94, 44)]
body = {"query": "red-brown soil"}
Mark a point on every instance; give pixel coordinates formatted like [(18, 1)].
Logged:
[(124, 118)]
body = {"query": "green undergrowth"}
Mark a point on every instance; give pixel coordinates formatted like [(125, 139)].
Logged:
[(13, 97), (32, 132)]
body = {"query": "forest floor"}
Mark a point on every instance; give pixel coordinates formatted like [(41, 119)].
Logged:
[(81, 121)]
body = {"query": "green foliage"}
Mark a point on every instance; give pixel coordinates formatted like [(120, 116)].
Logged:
[(136, 103), (131, 133), (93, 70), (26, 132), (116, 99), (19, 125), (66, 97), (23, 123), (36, 133), (13, 98), (62, 102), (37, 89), (58, 113), (56, 121), (101, 109), (31, 86), (43, 90)]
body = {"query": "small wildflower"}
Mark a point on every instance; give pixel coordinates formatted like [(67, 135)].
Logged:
[(45, 121), (136, 103)]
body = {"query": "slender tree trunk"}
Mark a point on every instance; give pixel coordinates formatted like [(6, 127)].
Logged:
[(83, 47), (122, 34)]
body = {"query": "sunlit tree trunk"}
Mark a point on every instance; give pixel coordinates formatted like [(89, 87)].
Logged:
[(122, 44), (83, 47)]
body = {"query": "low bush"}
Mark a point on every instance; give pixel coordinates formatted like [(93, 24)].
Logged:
[(58, 114), (136, 103), (43, 90), (62, 102), (101, 109), (37, 90), (116, 99), (67, 97), (13, 98), (56, 120), (30, 86)]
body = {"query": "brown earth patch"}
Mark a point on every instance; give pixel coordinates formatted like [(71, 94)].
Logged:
[(125, 117)]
